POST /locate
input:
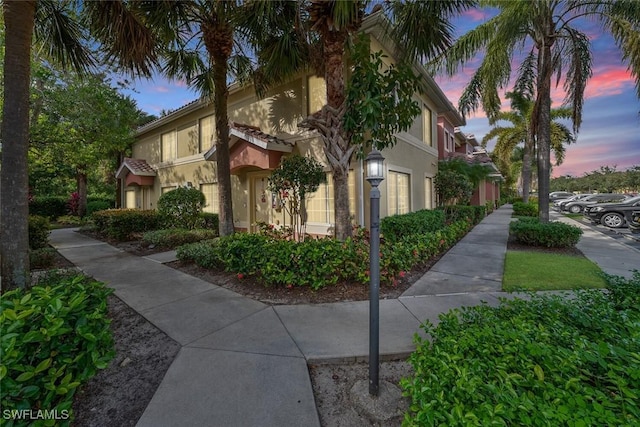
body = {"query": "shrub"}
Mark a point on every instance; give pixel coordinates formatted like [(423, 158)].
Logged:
[(548, 361), (210, 221), (175, 237), (55, 337), (121, 224), (471, 214), (50, 207), (41, 258), (70, 220), (549, 234), (203, 253), (98, 205), (525, 209), (38, 231), (396, 227), (181, 208)]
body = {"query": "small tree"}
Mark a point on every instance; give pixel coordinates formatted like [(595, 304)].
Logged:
[(296, 177), (182, 207), (456, 180)]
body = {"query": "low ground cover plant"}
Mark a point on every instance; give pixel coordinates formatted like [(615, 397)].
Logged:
[(174, 237), (55, 336), (550, 360), (554, 234)]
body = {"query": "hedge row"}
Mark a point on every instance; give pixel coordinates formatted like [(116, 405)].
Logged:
[(54, 206), (318, 262), (121, 224), (531, 231), (525, 209), (174, 237)]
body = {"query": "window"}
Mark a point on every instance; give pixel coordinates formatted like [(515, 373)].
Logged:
[(426, 125), (207, 133), (188, 144), (428, 193), (320, 205), (130, 199), (168, 146), (210, 192), (399, 199), (447, 142), (316, 93)]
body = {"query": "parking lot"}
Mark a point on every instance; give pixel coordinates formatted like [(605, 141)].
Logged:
[(623, 235)]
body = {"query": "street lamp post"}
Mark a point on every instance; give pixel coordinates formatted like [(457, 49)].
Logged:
[(375, 175)]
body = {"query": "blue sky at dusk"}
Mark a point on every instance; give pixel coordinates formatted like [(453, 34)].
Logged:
[(610, 131)]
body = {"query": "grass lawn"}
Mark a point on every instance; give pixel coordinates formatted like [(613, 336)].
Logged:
[(537, 271)]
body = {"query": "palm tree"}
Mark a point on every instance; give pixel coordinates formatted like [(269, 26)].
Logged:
[(51, 26), (509, 137), (209, 49), (316, 34), (545, 31)]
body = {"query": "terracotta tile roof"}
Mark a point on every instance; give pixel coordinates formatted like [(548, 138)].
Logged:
[(256, 133), (138, 167)]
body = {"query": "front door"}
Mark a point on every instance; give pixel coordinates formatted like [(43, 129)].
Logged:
[(260, 197)]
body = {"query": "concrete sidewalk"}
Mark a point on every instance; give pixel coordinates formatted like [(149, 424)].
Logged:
[(244, 363)]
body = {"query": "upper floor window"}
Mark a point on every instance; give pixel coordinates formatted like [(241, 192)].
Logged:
[(169, 149), (206, 133), (427, 118), (316, 94)]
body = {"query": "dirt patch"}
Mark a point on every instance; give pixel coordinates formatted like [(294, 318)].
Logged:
[(118, 395)]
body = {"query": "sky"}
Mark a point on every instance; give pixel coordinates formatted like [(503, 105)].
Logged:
[(610, 130)]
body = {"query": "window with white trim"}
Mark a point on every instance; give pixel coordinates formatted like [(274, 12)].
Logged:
[(428, 193), (320, 205), (398, 193), (427, 136), (169, 149), (206, 132), (210, 192)]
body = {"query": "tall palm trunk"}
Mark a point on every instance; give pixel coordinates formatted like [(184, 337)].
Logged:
[(19, 19), (544, 128), (336, 145), (81, 185), (218, 39), (526, 167)]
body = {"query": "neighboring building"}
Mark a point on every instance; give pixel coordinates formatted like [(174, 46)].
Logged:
[(177, 150)]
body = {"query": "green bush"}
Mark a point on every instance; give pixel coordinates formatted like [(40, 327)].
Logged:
[(318, 262), (50, 207), (550, 234), (121, 224), (38, 231), (210, 221), (548, 361), (525, 209), (55, 336), (396, 227), (41, 258), (98, 205), (175, 237), (471, 214), (181, 208)]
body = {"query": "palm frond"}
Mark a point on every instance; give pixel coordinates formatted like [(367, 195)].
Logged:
[(578, 73)]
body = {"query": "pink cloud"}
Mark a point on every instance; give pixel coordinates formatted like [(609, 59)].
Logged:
[(579, 160), (612, 81), (161, 89), (475, 14)]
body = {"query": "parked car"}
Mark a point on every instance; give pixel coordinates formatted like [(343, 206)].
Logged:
[(614, 215), (578, 205), (634, 224), (557, 205), (557, 195)]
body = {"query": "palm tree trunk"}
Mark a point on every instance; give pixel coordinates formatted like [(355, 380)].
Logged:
[(335, 143), (526, 168), (218, 39), (544, 130), (19, 19)]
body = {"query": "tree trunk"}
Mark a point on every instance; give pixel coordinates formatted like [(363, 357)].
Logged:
[(218, 39), (544, 129), (19, 19), (81, 188), (336, 146), (526, 168)]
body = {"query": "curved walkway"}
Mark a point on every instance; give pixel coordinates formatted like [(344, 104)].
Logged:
[(244, 363)]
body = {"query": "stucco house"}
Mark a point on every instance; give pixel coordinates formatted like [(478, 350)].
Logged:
[(177, 150)]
